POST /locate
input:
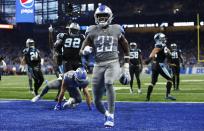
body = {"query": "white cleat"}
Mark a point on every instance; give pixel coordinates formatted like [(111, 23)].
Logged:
[(131, 91), (139, 91), (70, 103), (109, 122), (36, 98)]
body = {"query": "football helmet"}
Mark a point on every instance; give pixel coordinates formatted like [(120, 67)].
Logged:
[(103, 15), (73, 28), (160, 38), (124, 79), (173, 46), (30, 43), (80, 76), (133, 45)]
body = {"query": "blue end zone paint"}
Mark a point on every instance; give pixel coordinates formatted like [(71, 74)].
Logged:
[(24, 116)]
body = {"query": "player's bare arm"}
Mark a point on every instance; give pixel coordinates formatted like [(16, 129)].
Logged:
[(63, 89), (154, 52), (58, 45), (152, 55), (87, 96), (124, 43)]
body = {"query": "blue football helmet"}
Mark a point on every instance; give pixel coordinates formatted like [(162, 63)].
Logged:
[(124, 79), (103, 15), (80, 76)]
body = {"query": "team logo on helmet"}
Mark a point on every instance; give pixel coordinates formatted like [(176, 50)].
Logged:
[(27, 3)]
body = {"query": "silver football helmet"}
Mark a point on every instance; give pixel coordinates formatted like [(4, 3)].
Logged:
[(173, 46), (73, 28), (160, 38), (103, 15), (133, 45), (30, 43)]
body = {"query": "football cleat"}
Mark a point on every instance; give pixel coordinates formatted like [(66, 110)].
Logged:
[(139, 91), (36, 98), (109, 122), (131, 91), (58, 107), (70, 103), (170, 98)]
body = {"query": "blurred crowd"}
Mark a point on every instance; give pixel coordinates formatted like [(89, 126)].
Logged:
[(12, 49)]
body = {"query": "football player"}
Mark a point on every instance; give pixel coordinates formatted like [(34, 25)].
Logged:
[(103, 39), (176, 59), (67, 47), (73, 82), (158, 56), (2, 65), (135, 66), (33, 60)]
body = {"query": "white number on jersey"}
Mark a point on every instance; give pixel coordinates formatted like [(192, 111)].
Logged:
[(72, 42), (106, 44), (134, 55), (174, 55), (33, 56)]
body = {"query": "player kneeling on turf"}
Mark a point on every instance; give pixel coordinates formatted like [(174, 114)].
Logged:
[(71, 78), (73, 81)]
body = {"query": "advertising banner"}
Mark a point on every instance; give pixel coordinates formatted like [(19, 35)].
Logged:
[(25, 11)]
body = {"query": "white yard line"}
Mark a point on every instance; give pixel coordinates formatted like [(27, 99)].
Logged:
[(5, 100)]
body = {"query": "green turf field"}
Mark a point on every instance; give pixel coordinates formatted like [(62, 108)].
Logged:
[(192, 89)]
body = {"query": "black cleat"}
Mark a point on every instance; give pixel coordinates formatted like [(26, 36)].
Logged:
[(147, 99), (170, 98)]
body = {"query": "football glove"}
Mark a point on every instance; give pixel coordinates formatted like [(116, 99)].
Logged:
[(50, 29), (87, 50), (58, 107)]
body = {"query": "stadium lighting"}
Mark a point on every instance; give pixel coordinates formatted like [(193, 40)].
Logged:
[(202, 23), (6, 26), (183, 23)]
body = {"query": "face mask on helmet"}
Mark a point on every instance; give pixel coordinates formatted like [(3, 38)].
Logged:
[(103, 15), (133, 45), (30, 43), (73, 29), (173, 46)]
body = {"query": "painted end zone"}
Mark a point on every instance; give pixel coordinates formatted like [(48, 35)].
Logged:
[(24, 115)]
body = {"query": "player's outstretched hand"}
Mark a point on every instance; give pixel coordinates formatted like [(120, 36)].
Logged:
[(58, 107)]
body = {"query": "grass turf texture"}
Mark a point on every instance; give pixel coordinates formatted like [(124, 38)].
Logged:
[(192, 89)]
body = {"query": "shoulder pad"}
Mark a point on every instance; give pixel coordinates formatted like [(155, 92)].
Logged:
[(121, 29), (25, 50), (90, 28)]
